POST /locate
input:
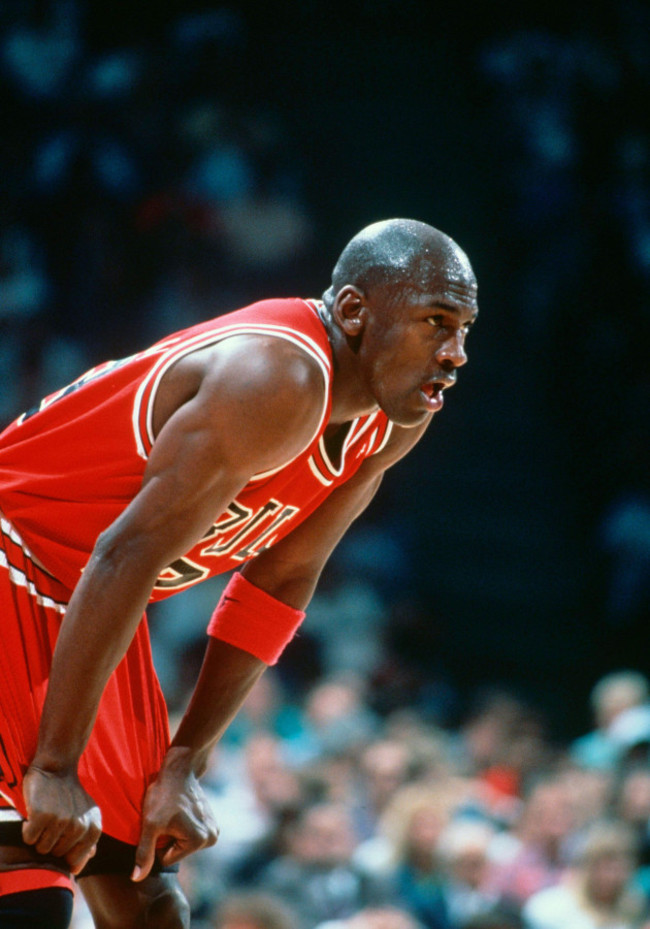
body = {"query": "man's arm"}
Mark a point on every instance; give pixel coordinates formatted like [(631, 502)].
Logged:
[(288, 571), (254, 405)]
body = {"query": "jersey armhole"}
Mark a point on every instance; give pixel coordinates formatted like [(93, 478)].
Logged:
[(142, 418)]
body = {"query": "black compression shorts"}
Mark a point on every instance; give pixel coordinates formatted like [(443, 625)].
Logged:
[(112, 857)]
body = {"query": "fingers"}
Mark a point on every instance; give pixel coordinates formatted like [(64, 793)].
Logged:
[(182, 840), (75, 840), (202, 836), (57, 837), (35, 831), (79, 857), (145, 853), (54, 838), (62, 819)]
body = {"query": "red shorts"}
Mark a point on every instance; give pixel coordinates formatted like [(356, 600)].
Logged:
[(131, 733)]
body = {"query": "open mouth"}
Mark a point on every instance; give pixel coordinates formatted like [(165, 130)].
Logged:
[(433, 389), (432, 392)]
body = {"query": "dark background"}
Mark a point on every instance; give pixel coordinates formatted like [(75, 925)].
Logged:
[(522, 521)]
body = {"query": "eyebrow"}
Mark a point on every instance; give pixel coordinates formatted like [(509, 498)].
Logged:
[(452, 308)]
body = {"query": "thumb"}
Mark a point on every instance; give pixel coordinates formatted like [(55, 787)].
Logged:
[(145, 853)]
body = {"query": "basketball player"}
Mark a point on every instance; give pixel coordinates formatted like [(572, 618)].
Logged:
[(249, 441)]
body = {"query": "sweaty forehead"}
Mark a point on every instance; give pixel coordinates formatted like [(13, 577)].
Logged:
[(444, 271)]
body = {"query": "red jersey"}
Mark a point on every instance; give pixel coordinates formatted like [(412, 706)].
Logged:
[(69, 467)]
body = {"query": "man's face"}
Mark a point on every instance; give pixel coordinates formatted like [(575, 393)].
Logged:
[(413, 338)]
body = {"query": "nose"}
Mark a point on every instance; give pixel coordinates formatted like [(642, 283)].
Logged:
[(451, 353)]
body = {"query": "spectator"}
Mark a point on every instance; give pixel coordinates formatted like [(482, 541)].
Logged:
[(253, 911), (589, 792), (463, 850), (316, 876), (630, 734), (254, 795), (632, 806), (597, 893), (336, 718), (413, 824), (536, 857), (614, 693), (384, 767), (375, 918)]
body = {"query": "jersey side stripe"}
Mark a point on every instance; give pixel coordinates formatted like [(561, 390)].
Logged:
[(9, 531), (20, 579)]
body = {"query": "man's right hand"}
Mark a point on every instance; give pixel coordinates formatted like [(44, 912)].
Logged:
[(62, 819)]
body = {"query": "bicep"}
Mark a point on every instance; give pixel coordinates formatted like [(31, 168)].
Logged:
[(240, 421)]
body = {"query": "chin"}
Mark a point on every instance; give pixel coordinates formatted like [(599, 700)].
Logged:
[(411, 419)]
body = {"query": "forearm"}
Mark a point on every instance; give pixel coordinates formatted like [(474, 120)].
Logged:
[(295, 587), (227, 675), (99, 624), (288, 572)]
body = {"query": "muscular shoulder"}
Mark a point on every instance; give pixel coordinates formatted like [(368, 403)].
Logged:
[(252, 361), (250, 387)]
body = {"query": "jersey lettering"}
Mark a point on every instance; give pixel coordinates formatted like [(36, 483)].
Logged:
[(229, 532), (222, 547), (180, 573), (267, 538)]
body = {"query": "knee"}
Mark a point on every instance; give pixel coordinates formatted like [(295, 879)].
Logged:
[(117, 903), (168, 910)]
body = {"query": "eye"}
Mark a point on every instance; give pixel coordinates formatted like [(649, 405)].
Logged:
[(437, 321)]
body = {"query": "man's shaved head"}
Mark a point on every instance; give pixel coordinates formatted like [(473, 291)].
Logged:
[(401, 302), (395, 252)]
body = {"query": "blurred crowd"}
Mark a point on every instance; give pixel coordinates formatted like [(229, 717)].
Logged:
[(334, 815), (567, 117), (136, 197)]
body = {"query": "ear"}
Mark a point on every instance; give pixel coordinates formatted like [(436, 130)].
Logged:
[(349, 310)]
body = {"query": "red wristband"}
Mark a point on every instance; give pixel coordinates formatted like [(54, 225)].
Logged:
[(253, 620)]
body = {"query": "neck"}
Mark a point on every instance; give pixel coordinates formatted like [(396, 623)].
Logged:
[(349, 397)]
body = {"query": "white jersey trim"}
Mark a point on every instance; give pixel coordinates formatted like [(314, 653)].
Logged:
[(315, 471), (354, 434), (302, 341), (9, 814), (387, 435)]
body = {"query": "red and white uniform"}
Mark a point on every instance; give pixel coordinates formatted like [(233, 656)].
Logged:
[(67, 471)]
